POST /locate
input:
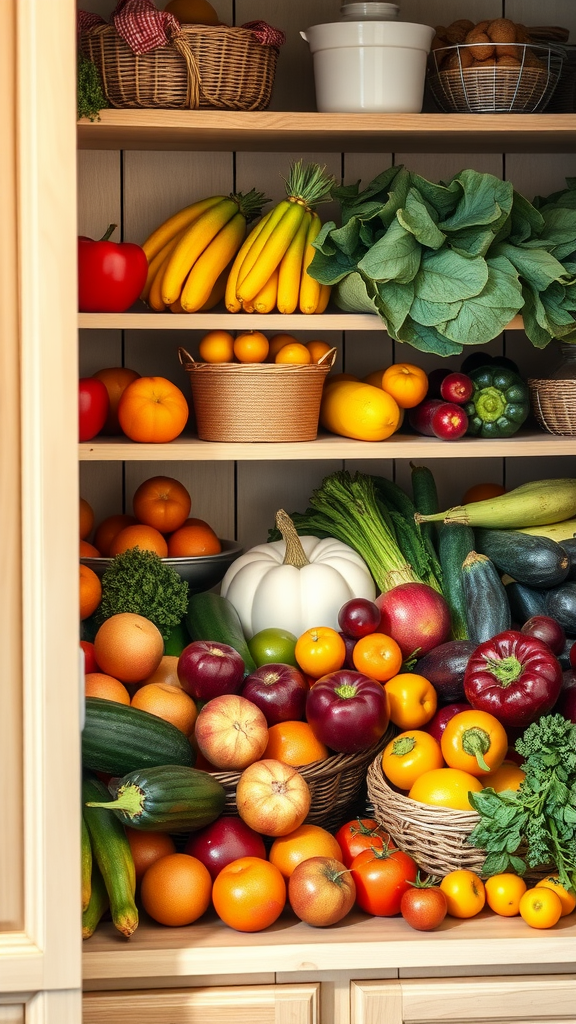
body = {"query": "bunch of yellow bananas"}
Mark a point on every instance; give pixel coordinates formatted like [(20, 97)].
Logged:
[(190, 254), (270, 270)]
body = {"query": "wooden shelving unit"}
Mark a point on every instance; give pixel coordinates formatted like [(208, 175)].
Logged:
[(333, 320)]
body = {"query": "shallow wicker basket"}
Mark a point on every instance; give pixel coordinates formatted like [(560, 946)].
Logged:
[(257, 401), (204, 66), (461, 84), (554, 404), (335, 784)]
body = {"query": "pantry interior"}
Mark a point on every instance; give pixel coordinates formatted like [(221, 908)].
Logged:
[(134, 169)]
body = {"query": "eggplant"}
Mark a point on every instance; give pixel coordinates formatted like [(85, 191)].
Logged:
[(569, 546), (525, 602), (534, 561), (444, 667), (561, 605)]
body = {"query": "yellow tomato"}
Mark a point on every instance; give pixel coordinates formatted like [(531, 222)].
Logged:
[(320, 650), (540, 907), (445, 787), (406, 383), (464, 892), (503, 894), (507, 776), (412, 700), (566, 896), (409, 756), (475, 742)]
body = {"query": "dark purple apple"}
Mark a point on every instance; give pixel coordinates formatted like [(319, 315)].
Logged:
[(449, 422), (444, 667), (208, 669), (437, 724), (347, 711), (359, 617), (567, 700), (279, 691), (349, 643), (420, 418), (548, 630), (225, 840), (415, 616), (572, 655), (456, 388)]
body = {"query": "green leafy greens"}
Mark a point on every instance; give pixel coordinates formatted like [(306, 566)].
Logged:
[(535, 826), (139, 582)]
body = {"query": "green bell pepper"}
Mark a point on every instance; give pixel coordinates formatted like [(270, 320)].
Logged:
[(500, 402)]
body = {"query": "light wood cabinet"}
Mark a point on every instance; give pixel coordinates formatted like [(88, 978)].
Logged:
[(252, 1004)]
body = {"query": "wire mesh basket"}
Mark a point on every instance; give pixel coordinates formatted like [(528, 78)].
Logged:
[(500, 78)]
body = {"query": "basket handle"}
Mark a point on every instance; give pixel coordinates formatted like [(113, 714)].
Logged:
[(329, 358), (194, 85), (185, 357)]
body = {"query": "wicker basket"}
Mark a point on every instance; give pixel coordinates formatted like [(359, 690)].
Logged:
[(554, 404), (461, 84), (204, 66), (335, 784), (257, 401)]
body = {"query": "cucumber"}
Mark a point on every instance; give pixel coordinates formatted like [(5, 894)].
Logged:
[(177, 640), (212, 617), (525, 602), (487, 608), (534, 561), (86, 865), (167, 799), (455, 543), (98, 904), (118, 739), (561, 605), (112, 853)]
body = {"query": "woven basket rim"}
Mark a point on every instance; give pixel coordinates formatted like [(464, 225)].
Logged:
[(538, 382), (418, 813), (187, 29)]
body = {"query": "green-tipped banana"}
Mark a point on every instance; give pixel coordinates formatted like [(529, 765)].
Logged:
[(535, 504)]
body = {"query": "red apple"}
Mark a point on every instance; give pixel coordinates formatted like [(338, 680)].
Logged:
[(449, 422), (231, 732), (348, 711), (572, 655), (359, 617), (420, 418), (457, 388), (207, 669), (225, 840), (349, 643), (415, 616), (321, 891), (548, 630), (438, 723), (279, 691), (567, 701)]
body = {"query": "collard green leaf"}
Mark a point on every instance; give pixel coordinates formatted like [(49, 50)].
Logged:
[(395, 257), (416, 218), (445, 276), (471, 242), (536, 266), (559, 224), (431, 314), (427, 339), (526, 221), (485, 199), (352, 294), (484, 316), (442, 197), (331, 268), (394, 301), (396, 198)]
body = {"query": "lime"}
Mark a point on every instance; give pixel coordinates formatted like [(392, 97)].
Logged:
[(271, 646)]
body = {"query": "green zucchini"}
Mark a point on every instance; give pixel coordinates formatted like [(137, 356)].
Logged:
[(167, 799), (534, 561), (535, 504), (98, 904), (112, 853), (212, 617), (487, 608), (525, 602), (455, 543), (118, 739), (177, 640), (86, 865)]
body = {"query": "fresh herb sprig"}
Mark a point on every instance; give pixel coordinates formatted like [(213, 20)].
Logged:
[(541, 816)]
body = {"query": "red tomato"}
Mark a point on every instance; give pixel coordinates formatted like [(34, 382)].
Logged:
[(94, 404), (111, 275), (382, 877), (424, 908), (90, 663), (360, 834)]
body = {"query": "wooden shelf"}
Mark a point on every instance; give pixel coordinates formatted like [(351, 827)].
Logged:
[(306, 131), (187, 448), (210, 947)]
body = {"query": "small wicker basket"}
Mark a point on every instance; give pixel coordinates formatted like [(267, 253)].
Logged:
[(204, 66), (257, 401), (505, 83), (554, 404)]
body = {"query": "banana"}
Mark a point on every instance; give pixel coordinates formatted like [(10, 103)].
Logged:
[(192, 244), (166, 231), (325, 292), (157, 261), (265, 301), (218, 290), (210, 264), (253, 254), (232, 303), (290, 269), (272, 251), (309, 288), (155, 300), (176, 307)]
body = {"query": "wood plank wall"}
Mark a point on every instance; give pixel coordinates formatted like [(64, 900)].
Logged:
[(139, 189)]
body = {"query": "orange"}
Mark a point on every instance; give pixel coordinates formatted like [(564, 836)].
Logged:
[(167, 702), (317, 349), (162, 502), (541, 907), (147, 848), (90, 592), (217, 347), (86, 518), (167, 671), (507, 776), (406, 383), (195, 12), (98, 684), (287, 852), (110, 528), (445, 787), (294, 353), (277, 341), (88, 550), (176, 889), (479, 492), (251, 347), (115, 379), (464, 892), (374, 378), (412, 700), (320, 650), (152, 410), (193, 538), (144, 537), (378, 656), (249, 894), (294, 743), (503, 894), (129, 647), (567, 896)]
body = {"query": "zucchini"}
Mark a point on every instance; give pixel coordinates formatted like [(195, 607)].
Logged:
[(86, 865), (534, 561), (177, 640), (561, 605), (534, 504), (212, 617), (569, 546), (113, 855), (487, 608), (167, 799), (525, 602), (118, 739), (455, 543), (98, 904)]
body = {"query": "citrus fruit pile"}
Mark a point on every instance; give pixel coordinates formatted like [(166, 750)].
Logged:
[(255, 347)]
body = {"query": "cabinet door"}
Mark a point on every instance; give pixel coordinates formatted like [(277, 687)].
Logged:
[(518, 1000), (256, 1004)]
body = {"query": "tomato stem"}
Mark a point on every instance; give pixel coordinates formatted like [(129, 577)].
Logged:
[(505, 670), (109, 231), (404, 745), (476, 742)]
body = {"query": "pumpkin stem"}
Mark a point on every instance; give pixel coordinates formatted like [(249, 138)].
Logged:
[(295, 554)]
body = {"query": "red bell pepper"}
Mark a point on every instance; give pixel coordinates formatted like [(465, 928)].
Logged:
[(111, 275), (514, 677)]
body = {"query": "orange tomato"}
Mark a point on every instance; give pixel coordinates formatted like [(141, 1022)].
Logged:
[(110, 528), (317, 349), (144, 537), (503, 894), (479, 492), (115, 379), (86, 518), (152, 410), (176, 889), (412, 700), (194, 538), (567, 896), (90, 591), (464, 892), (249, 894), (541, 907), (409, 756), (277, 341), (406, 383), (162, 502), (507, 776), (217, 347), (320, 650), (294, 743), (287, 852), (474, 741), (294, 353), (251, 347), (445, 787), (378, 656)]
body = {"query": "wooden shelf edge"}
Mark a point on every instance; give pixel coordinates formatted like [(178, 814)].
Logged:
[(139, 321)]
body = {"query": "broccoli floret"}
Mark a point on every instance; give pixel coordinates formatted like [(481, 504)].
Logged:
[(138, 581)]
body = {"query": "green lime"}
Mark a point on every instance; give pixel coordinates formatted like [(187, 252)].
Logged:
[(273, 645)]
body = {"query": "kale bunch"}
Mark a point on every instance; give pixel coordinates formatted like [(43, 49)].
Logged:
[(90, 94), (139, 581)]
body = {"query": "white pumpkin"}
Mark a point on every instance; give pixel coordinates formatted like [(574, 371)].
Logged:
[(296, 583)]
